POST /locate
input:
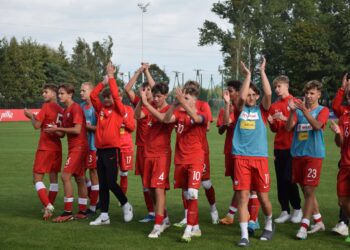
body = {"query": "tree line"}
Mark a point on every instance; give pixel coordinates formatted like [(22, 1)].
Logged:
[(304, 39), (26, 65)]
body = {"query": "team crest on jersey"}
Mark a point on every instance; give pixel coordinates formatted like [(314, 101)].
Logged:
[(249, 116)]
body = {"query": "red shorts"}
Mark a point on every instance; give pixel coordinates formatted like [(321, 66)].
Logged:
[(156, 172), (251, 173), (206, 168), (139, 160), (126, 160), (343, 182), (91, 160), (229, 161), (188, 176), (306, 171), (75, 163), (47, 162)]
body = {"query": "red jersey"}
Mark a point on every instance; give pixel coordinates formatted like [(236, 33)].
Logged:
[(158, 137), (109, 119), (204, 107), (50, 114), (337, 106), (189, 138), (283, 138), (229, 130), (72, 115), (344, 125), (126, 129), (142, 124)]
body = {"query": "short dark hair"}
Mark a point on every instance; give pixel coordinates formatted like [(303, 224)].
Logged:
[(192, 84), (69, 88), (145, 84), (254, 88), (51, 86), (162, 88), (234, 84), (191, 91), (313, 84), (106, 92)]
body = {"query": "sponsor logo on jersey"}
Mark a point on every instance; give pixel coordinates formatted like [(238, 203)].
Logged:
[(304, 127), (249, 116)]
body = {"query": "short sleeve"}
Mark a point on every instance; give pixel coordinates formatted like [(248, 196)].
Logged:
[(40, 117), (323, 116), (78, 116)]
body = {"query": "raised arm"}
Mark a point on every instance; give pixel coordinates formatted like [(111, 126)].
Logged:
[(243, 93), (292, 115), (315, 123), (226, 113), (169, 116), (149, 77), (150, 108), (338, 138), (338, 99), (95, 100), (128, 87), (266, 100), (118, 105)]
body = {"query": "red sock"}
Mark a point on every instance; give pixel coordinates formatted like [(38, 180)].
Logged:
[(253, 207), (148, 201), (94, 195), (192, 214), (41, 191), (210, 193), (68, 204), (317, 217), (184, 201), (53, 191), (159, 219), (82, 204), (124, 183)]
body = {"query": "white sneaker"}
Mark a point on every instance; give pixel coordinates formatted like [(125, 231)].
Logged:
[(302, 234), (186, 237), (182, 223), (284, 216), (99, 221), (166, 224), (215, 217), (296, 216), (127, 211), (196, 232), (341, 228), (48, 211), (319, 226), (155, 232)]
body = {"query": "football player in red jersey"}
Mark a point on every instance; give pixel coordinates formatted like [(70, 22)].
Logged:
[(157, 154), (48, 157), (189, 153), (141, 132), (74, 126)]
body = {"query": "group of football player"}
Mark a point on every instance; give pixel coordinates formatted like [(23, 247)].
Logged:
[(99, 134)]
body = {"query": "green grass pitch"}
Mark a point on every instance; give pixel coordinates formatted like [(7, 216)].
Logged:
[(21, 225)]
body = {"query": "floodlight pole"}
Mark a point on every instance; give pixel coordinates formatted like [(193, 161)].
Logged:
[(143, 8)]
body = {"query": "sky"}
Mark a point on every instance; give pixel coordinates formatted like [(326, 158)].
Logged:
[(170, 31)]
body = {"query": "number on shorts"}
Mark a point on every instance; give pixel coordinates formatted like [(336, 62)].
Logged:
[(68, 160), (204, 168), (90, 158), (161, 177), (180, 128), (346, 133), (312, 173), (196, 175), (128, 159)]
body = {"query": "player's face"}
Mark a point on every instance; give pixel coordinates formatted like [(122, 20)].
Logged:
[(233, 93), (85, 91), (252, 98), (281, 89), (312, 96), (108, 100), (148, 93), (159, 99), (48, 95), (190, 99), (64, 96)]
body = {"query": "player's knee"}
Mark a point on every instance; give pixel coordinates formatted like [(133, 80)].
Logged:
[(206, 184), (123, 173), (192, 194)]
